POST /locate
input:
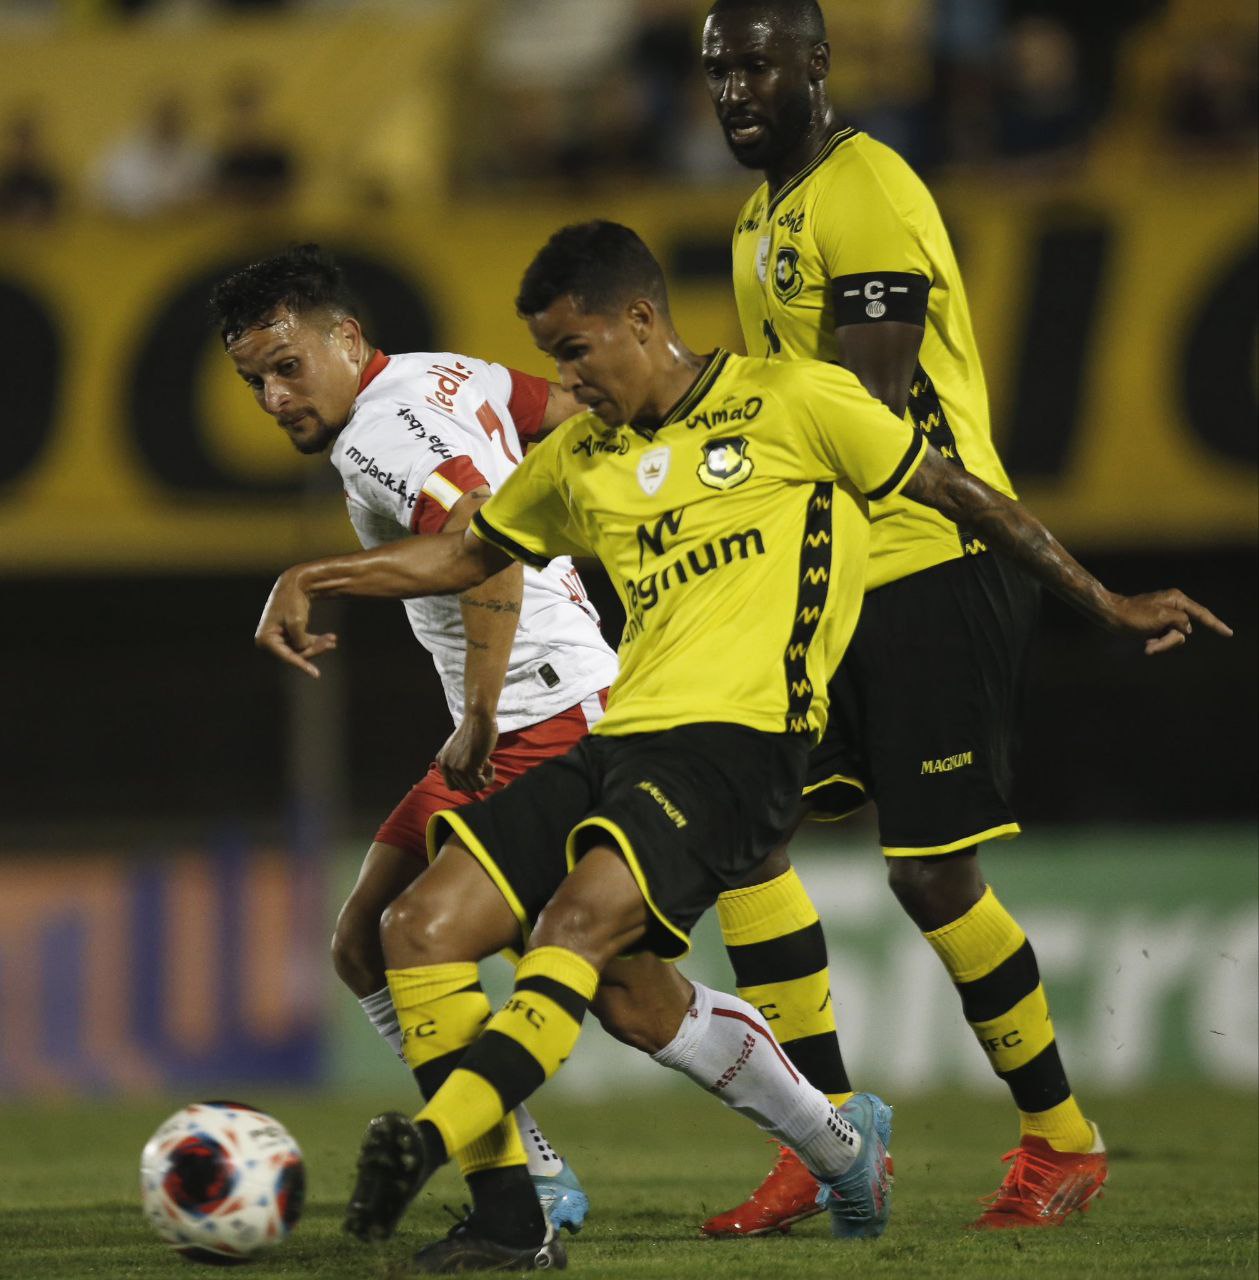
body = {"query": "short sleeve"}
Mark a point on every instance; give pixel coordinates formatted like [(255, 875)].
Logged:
[(527, 403), (441, 489), (846, 432), (871, 249), (528, 517)]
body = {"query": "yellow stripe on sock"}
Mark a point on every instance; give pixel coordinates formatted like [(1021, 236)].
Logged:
[(501, 1148), (976, 943), (564, 966), (763, 911), (1019, 1034), (465, 1109), (1063, 1127), (434, 1012), (794, 1009)]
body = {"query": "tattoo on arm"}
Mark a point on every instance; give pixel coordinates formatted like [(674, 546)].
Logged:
[(494, 606), (475, 644), (1010, 527)]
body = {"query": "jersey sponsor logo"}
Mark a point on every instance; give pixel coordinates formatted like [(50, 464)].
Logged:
[(946, 764), (447, 382), (592, 444), (434, 442), (711, 418), (654, 541), (726, 463), (645, 593), (788, 280), (653, 466), (793, 221), (671, 811), (750, 223), (385, 479)]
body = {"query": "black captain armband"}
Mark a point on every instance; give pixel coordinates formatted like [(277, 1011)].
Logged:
[(880, 295)]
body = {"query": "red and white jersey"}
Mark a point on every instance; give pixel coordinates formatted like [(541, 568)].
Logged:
[(425, 429)]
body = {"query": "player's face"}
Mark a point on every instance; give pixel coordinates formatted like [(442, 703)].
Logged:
[(760, 82), (303, 372), (598, 358)]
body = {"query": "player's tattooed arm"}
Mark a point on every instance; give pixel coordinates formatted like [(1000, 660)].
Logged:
[(560, 406), (490, 613), (1163, 618)]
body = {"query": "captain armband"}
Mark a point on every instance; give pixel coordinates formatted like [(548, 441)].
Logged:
[(880, 295)]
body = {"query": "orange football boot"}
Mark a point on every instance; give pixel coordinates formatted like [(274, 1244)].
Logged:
[(788, 1194), (1043, 1186)]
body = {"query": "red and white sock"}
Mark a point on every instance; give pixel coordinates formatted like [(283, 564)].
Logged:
[(724, 1045)]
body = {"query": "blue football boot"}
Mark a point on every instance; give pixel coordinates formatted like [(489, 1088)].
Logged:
[(562, 1198), (860, 1201)]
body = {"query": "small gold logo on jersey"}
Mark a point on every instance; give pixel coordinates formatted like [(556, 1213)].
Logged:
[(787, 278), (653, 466), (726, 462)]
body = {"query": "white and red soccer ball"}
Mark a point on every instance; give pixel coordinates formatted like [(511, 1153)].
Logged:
[(222, 1182)]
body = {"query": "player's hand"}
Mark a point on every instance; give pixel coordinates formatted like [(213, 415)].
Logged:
[(1164, 618), (282, 629), (465, 757)]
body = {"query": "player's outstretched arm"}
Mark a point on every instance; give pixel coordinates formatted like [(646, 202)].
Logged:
[(1164, 618), (435, 565)]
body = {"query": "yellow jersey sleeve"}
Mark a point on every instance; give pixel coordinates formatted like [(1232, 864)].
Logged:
[(871, 235), (528, 517), (843, 429)]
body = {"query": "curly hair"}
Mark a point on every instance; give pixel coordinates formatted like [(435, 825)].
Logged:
[(304, 278)]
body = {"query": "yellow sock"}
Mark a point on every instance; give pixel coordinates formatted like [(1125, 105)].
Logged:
[(994, 969), (523, 1044), (778, 952), (441, 1009)]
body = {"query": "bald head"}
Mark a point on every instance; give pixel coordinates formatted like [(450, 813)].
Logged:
[(801, 19)]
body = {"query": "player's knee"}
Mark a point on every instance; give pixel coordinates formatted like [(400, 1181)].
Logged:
[(418, 929), (935, 891), (356, 955)]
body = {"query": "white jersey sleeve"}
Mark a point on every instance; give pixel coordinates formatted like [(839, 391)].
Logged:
[(426, 429)]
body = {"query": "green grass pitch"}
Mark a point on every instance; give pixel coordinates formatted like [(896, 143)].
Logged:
[(1181, 1202)]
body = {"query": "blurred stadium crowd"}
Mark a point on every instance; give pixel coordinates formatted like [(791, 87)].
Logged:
[(579, 92)]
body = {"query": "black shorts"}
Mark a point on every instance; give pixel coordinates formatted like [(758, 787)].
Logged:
[(924, 707), (693, 810)]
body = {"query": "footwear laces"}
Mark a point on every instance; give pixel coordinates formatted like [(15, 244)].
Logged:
[(1036, 1182)]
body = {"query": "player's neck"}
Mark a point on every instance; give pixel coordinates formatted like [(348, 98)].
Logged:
[(822, 128), (676, 368)]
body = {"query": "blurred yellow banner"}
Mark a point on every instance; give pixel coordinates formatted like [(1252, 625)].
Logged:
[(1117, 320)]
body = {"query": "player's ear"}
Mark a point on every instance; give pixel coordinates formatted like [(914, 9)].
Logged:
[(820, 61), (350, 333), (642, 318)]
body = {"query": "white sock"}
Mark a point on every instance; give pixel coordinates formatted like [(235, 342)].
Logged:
[(544, 1160), (384, 1017), (725, 1047)]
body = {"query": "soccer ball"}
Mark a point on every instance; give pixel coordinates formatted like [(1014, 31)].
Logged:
[(222, 1182)]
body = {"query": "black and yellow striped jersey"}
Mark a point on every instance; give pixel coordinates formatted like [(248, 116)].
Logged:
[(735, 535), (855, 238)]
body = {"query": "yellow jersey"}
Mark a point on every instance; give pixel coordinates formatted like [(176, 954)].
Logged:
[(855, 238), (735, 535)]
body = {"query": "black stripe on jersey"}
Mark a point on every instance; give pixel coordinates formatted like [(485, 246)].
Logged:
[(566, 998), (783, 959), (699, 388), (815, 572), (796, 179), (927, 414), (998, 992), (912, 454), (499, 539), (872, 296), (1041, 1083)]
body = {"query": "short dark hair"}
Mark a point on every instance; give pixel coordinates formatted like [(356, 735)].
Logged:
[(304, 278), (802, 18), (602, 265)]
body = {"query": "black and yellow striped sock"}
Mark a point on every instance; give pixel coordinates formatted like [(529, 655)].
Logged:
[(523, 1044), (778, 952), (441, 1010), (994, 969)]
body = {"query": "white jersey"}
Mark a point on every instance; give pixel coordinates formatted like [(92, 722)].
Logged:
[(425, 429)]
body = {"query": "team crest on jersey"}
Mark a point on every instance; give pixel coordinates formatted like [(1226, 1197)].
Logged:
[(762, 258), (787, 278), (653, 466), (726, 462)]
